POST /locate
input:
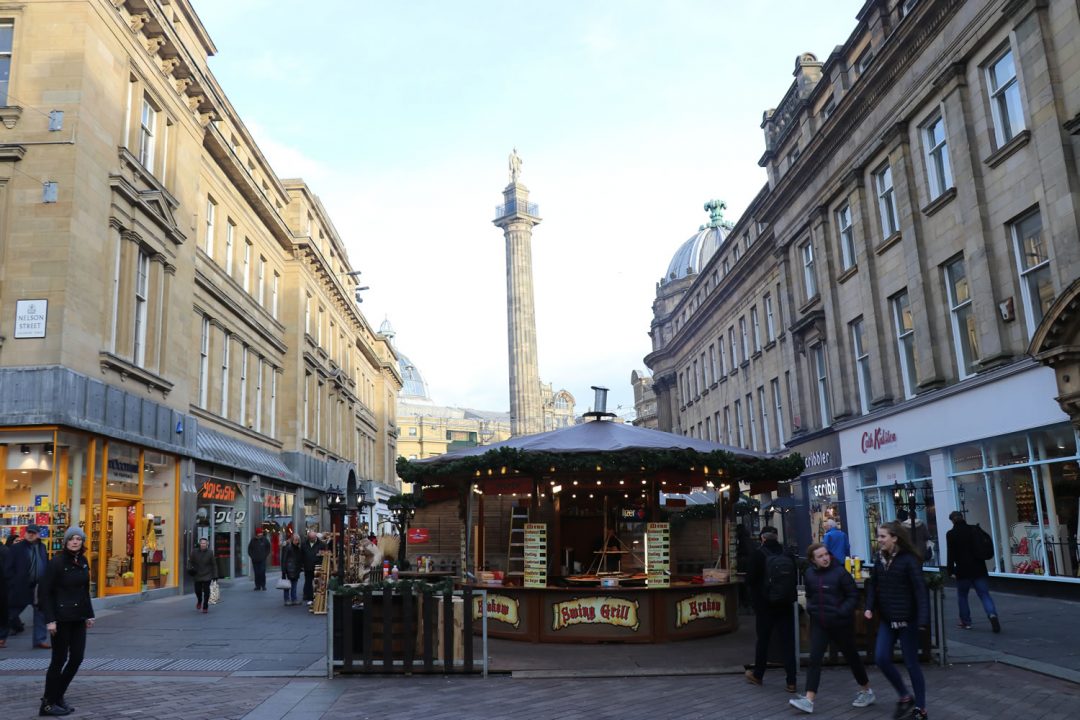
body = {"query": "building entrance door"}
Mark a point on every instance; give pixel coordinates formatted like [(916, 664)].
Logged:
[(120, 571), (226, 523)]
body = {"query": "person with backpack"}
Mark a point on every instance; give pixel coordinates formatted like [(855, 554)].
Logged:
[(773, 578), (897, 593), (831, 596), (969, 548)]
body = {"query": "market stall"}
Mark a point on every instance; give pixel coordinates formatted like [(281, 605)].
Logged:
[(570, 531)]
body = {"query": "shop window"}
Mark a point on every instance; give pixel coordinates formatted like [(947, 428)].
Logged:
[(27, 482), (159, 520), (1008, 450)]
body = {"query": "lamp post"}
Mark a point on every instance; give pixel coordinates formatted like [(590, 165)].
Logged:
[(912, 501), (402, 510), (335, 502)]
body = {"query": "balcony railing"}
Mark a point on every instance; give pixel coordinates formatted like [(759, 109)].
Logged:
[(531, 209)]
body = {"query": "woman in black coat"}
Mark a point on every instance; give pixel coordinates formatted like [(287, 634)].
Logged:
[(203, 569), (897, 592), (292, 563), (64, 596), (831, 597)]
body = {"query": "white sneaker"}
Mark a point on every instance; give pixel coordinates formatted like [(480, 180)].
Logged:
[(864, 698), (309, 603), (802, 703)]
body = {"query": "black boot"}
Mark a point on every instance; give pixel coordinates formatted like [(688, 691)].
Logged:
[(64, 704), (51, 709)]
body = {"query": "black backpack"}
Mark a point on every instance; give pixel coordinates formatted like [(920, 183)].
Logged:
[(981, 543), (781, 578)]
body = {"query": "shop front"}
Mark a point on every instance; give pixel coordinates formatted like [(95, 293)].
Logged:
[(124, 496), (221, 517), (274, 508), (1011, 467), (818, 494)]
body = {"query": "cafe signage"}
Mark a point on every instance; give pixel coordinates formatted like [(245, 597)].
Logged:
[(597, 610), (499, 607), (699, 607), (876, 439)]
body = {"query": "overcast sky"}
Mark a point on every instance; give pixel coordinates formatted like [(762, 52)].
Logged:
[(629, 115)]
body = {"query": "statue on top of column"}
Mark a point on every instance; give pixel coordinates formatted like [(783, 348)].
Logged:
[(515, 166)]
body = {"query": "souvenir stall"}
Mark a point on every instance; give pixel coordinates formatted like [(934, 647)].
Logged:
[(588, 553)]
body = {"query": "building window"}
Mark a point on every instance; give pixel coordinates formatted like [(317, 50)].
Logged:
[(307, 393), (828, 108), (763, 406), (245, 267), (745, 339), (778, 409), (736, 253), (230, 231), (708, 429), (225, 376), (726, 265), (142, 294), (862, 364), (770, 320), (847, 237), (258, 394), (964, 330), (937, 157), (756, 328), (734, 350), (241, 409), (905, 342), (307, 314), (706, 372), (712, 364), (694, 379), (821, 374), (729, 431), (204, 363), (865, 59), (7, 37), (809, 276), (318, 412), (739, 425), (747, 240), (211, 211), (147, 128), (753, 421), (723, 357), (274, 295), (1033, 262), (890, 220), (319, 327), (1005, 107)]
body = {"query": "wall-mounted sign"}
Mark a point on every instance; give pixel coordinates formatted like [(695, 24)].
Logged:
[(817, 459), (876, 439), (535, 554), (658, 554), (224, 516), (825, 488), (598, 610), (419, 535), (499, 607), (699, 607), (217, 490), (30, 318)]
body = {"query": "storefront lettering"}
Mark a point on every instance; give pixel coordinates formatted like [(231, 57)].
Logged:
[(272, 502), (499, 607), (222, 517), (877, 439), (619, 612), (825, 488), (817, 458), (211, 490), (125, 470), (699, 607)]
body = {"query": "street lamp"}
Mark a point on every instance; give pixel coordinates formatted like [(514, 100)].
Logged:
[(912, 501), (402, 510), (335, 502)]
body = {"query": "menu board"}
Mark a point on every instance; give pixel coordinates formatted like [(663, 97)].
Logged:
[(658, 554), (535, 555)]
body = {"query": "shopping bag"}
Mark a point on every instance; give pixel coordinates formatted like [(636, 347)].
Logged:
[(284, 584), (215, 592)]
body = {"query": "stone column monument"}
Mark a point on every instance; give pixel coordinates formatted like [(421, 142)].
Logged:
[(517, 216)]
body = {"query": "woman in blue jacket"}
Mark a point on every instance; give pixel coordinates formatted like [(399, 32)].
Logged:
[(831, 597), (897, 592)]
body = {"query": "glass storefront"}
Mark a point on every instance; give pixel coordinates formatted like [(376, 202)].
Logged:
[(1024, 489), (901, 490), (221, 518), (275, 517)]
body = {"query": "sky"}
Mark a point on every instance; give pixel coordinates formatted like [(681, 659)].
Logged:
[(628, 114)]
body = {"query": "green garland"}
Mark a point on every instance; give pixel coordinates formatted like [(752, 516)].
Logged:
[(506, 462), (417, 587)]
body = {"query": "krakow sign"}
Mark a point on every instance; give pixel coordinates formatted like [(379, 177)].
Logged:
[(699, 607), (499, 607)]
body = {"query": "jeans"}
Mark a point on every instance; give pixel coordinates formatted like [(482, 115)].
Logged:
[(68, 645), (768, 620), (982, 589), (909, 646), (844, 639), (41, 635), (290, 594), (258, 568), (202, 593)]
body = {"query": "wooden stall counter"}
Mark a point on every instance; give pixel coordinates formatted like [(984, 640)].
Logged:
[(609, 614)]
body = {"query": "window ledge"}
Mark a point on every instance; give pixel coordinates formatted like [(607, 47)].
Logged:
[(1005, 151), (713, 386), (250, 432), (939, 202), (888, 242), (734, 372), (9, 115), (704, 392), (769, 345), (847, 274), (744, 364), (810, 303), (723, 378), (12, 153), (755, 356), (126, 370)]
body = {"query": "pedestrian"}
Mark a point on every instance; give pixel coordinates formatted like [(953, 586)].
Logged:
[(897, 592), (258, 550), (836, 540), (26, 564), (3, 594), (969, 569), (831, 596), (772, 577), (202, 568), (65, 601), (292, 563), (313, 548)]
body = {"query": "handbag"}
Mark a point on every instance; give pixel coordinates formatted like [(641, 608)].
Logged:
[(284, 584), (215, 592)]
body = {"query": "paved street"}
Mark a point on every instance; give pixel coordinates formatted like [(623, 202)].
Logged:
[(250, 657)]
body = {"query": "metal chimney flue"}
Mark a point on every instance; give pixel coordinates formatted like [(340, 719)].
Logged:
[(600, 400)]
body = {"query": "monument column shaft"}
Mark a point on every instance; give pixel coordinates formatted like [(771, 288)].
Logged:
[(526, 414)]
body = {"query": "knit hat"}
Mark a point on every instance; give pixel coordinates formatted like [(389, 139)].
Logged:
[(72, 532)]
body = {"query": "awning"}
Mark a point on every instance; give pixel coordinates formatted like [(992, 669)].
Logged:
[(221, 449)]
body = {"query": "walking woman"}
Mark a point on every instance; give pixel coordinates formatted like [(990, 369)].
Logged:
[(64, 596), (897, 592), (292, 562), (831, 597), (203, 569)]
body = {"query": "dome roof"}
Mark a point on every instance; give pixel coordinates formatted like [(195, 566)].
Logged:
[(413, 386), (696, 252)]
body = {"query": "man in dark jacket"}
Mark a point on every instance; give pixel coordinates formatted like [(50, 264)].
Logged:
[(258, 550), (26, 563), (312, 549), (969, 570), (772, 578)]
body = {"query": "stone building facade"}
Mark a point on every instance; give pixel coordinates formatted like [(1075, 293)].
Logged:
[(919, 220), (181, 354)]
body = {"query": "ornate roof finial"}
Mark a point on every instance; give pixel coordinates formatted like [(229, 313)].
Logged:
[(716, 209)]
